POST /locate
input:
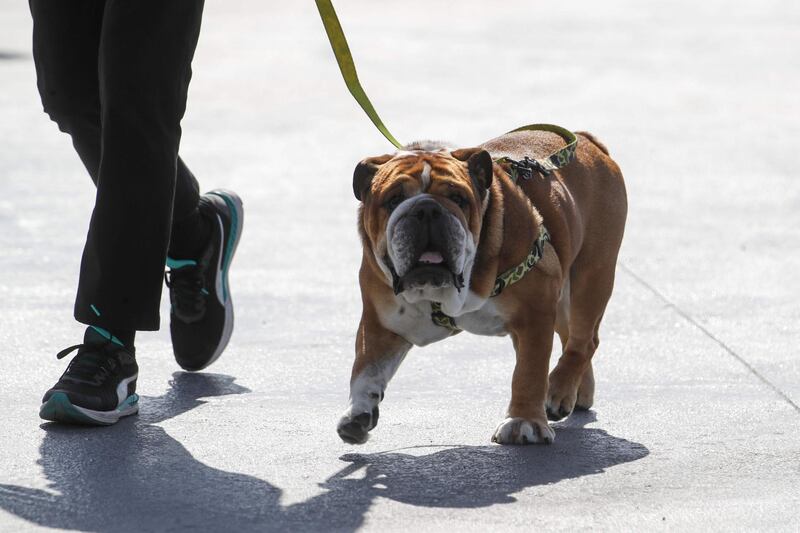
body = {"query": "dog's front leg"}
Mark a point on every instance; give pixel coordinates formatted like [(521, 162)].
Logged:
[(526, 421), (379, 353)]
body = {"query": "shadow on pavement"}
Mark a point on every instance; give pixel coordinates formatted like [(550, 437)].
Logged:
[(463, 476), (6, 55), (479, 476), (135, 477)]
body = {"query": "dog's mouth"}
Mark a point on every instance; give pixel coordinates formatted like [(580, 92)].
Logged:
[(430, 270), (425, 245), (430, 258)]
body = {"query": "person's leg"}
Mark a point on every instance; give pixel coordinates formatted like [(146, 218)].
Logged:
[(66, 45), (145, 53), (66, 37), (88, 101), (190, 230)]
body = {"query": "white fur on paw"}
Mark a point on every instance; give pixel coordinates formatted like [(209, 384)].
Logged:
[(523, 431)]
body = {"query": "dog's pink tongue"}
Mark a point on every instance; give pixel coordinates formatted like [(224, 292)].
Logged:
[(433, 258)]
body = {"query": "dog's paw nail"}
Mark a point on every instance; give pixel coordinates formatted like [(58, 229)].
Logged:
[(557, 413), (522, 431)]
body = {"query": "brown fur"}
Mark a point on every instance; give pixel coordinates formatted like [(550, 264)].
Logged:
[(584, 208)]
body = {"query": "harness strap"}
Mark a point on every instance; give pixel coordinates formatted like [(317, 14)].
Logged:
[(545, 166), (441, 319), (513, 275), (507, 278)]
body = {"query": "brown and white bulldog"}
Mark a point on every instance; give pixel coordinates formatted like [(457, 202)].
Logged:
[(439, 226)]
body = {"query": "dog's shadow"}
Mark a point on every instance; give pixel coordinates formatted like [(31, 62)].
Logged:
[(134, 477), (476, 476)]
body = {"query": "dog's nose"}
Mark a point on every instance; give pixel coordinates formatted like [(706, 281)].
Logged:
[(426, 210)]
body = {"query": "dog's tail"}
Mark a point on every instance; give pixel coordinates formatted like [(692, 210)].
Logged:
[(594, 141)]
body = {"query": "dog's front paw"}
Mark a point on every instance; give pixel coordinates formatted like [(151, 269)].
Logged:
[(523, 431), (354, 428)]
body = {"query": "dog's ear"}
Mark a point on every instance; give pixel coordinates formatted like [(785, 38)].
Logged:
[(364, 172), (479, 165)]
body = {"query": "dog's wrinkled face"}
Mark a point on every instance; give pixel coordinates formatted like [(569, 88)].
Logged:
[(422, 214)]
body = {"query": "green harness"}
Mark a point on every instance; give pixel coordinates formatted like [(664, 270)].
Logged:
[(516, 169), (545, 166), (509, 277)]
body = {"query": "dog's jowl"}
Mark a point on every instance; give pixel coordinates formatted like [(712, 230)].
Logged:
[(451, 242)]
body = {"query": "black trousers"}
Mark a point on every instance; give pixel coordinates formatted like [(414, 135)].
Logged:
[(114, 75)]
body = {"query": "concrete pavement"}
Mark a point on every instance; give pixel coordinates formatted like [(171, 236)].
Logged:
[(696, 419)]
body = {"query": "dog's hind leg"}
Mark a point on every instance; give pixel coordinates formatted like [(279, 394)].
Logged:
[(379, 353), (585, 398), (586, 387), (572, 381), (562, 315)]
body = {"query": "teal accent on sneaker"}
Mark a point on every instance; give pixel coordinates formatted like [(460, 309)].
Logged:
[(180, 263), (59, 409), (94, 309), (226, 260), (107, 334), (204, 291), (133, 399)]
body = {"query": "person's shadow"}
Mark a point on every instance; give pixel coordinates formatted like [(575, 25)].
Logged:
[(134, 477)]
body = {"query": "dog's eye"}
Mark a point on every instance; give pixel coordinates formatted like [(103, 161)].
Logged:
[(459, 200), (392, 203)]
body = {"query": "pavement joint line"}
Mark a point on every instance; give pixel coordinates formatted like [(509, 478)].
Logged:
[(686, 316)]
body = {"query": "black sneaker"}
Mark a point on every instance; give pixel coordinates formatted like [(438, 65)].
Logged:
[(98, 386), (201, 319)]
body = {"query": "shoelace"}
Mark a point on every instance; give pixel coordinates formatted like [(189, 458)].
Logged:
[(92, 363), (186, 285)]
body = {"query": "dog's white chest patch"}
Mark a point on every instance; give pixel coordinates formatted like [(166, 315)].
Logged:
[(485, 321), (413, 322)]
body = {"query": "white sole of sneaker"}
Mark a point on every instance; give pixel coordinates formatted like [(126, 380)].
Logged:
[(59, 409), (234, 204)]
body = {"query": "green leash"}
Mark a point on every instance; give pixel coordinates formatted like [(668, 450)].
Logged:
[(516, 169), (348, 68)]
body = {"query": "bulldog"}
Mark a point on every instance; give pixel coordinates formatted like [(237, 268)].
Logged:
[(451, 242)]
